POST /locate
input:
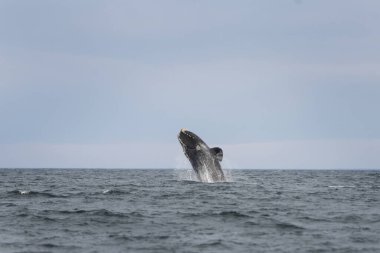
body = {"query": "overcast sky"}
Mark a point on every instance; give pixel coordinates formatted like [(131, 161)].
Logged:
[(108, 84)]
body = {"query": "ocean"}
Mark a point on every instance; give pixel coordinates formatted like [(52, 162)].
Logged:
[(164, 210)]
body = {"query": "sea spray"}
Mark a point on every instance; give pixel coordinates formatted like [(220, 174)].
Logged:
[(183, 169), (185, 172), (228, 166)]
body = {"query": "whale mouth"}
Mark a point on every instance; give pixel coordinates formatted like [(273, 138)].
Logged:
[(187, 133), (188, 139)]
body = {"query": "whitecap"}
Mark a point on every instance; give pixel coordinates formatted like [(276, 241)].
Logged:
[(340, 186), (106, 191)]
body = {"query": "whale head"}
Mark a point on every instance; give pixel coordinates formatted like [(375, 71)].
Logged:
[(189, 140)]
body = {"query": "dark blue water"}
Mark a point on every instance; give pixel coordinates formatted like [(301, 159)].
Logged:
[(56, 210)]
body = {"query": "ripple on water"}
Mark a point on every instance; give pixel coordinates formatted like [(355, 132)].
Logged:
[(148, 211)]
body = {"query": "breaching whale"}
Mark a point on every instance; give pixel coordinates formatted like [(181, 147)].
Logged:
[(204, 160)]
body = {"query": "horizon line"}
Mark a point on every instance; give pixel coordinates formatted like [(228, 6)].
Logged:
[(158, 168)]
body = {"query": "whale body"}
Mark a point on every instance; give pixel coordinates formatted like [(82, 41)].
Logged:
[(204, 160)]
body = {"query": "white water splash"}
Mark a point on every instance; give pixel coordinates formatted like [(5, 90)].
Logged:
[(205, 174), (184, 170), (24, 192), (341, 186), (228, 167)]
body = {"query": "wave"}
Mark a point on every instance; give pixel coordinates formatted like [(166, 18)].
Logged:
[(138, 237), (49, 245), (341, 186), (114, 192), (233, 214), (286, 225), (96, 212), (224, 214), (210, 243), (36, 194), (350, 218), (55, 195)]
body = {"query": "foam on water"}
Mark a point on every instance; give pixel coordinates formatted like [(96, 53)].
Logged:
[(184, 170), (341, 186)]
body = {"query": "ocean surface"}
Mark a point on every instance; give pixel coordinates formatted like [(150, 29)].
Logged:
[(91, 210)]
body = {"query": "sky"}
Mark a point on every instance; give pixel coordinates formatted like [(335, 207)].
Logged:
[(290, 84)]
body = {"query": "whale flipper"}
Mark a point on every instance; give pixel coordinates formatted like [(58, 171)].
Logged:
[(218, 152)]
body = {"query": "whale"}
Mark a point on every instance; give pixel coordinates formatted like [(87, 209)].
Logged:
[(204, 160)]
